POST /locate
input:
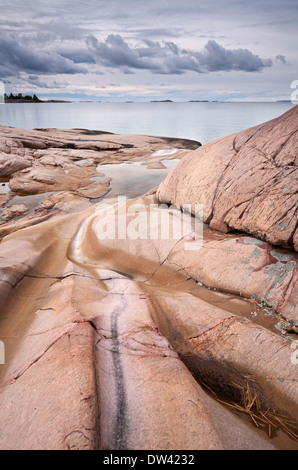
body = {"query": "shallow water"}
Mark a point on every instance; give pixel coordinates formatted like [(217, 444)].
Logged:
[(30, 200), (132, 179)]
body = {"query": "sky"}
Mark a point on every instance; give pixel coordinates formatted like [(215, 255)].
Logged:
[(132, 50)]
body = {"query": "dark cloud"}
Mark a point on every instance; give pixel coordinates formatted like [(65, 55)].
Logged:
[(168, 58), (77, 55), (115, 52), (215, 58), (15, 57)]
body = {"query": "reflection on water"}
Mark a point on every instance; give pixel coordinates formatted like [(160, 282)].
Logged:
[(170, 163), (83, 162), (133, 179), (31, 200)]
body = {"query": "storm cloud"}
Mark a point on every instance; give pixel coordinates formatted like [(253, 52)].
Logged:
[(168, 58), (15, 57)]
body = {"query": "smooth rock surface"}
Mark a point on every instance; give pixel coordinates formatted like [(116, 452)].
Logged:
[(150, 332)]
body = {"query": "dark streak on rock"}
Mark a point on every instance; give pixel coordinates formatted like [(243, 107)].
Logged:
[(120, 426)]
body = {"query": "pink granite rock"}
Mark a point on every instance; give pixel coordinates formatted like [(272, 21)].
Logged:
[(12, 163), (86, 365), (247, 181), (137, 342), (51, 160)]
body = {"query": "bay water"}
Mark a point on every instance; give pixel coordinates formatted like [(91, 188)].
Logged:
[(200, 121)]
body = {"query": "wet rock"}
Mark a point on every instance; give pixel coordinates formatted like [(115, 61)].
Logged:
[(140, 329), (74, 342), (4, 198), (232, 264), (14, 211), (240, 264), (63, 202), (156, 165)]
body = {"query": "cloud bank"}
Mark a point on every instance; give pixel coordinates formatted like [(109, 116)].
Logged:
[(16, 57), (168, 58), (114, 52)]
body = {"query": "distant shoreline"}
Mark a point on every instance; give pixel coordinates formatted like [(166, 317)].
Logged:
[(33, 101), (9, 101)]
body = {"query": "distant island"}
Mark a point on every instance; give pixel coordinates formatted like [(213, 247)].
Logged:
[(19, 98), (161, 101)]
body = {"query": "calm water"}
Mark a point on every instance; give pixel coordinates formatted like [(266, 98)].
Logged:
[(203, 122), (133, 178)]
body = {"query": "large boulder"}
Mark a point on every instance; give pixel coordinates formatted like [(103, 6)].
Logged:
[(246, 181)]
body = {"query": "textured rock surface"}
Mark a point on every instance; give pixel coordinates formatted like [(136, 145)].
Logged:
[(247, 181), (136, 342), (44, 166), (12, 164)]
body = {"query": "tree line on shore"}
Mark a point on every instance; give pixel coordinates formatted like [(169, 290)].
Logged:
[(20, 97)]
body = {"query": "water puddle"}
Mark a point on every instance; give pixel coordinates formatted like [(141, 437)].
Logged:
[(170, 163), (133, 179), (83, 163), (30, 200)]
